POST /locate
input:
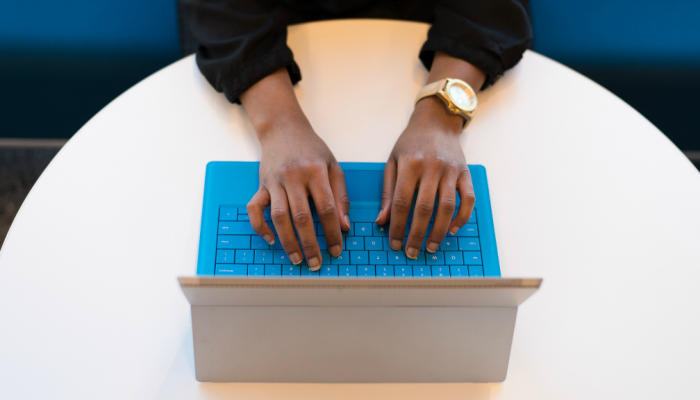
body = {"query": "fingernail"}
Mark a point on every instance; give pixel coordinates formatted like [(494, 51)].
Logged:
[(432, 247), (269, 239), (412, 253), (454, 230), (396, 244), (295, 258), (314, 264), (378, 215), (335, 250)]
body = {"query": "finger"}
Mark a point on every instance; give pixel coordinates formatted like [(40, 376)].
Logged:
[(466, 198), (304, 224), (256, 208), (425, 203), (387, 192), (283, 223), (445, 210), (340, 194), (401, 203), (327, 213)]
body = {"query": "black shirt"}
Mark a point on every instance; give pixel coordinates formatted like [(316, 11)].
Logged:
[(239, 42)]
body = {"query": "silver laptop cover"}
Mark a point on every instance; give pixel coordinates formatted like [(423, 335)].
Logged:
[(353, 330)]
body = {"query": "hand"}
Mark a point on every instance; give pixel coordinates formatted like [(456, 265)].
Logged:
[(295, 164), (429, 157)]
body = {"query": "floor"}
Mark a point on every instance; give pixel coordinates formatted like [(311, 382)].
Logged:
[(20, 168)]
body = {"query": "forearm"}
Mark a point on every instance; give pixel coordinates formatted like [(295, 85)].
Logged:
[(271, 103)]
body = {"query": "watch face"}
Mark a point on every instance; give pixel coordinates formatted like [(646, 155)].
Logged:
[(461, 95)]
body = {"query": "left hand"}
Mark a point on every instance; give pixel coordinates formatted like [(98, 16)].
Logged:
[(428, 157)]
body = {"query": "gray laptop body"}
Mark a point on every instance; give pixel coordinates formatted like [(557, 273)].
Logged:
[(261, 329)]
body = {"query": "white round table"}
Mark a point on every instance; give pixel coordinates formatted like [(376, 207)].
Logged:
[(586, 193)]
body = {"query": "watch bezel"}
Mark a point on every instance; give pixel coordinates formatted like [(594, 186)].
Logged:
[(468, 89)]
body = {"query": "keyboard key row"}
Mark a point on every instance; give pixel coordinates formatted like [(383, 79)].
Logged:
[(347, 271), (352, 257), (255, 242)]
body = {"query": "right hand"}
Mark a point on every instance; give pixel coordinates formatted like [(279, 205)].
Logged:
[(297, 163)]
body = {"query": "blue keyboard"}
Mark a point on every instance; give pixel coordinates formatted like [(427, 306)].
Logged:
[(230, 247), (241, 252)]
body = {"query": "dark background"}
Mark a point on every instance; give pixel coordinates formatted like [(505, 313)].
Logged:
[(62, 61)]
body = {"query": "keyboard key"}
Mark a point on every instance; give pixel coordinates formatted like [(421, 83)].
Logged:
[(243, 217), (453, 258), (449, 243), (314, 215), (472, 218), (228, 214), (281, 257), (355, 243), (273, 270), (245, 257), (365, 270), (321, 242), (268, 215), (396, 257), (231, 270), (233, 242), (380, 230), (459, 270), (437, 258), (325, 257), (421, 271), (387, 244), (469, 243), (468, 230), (403, 270), (264, 256), (351, 232), (420, 260), (319, 229), (364, 214), (373, 243), (255, 269), (291, 270), (476, 271), (345, 271), (225, 256), (235, 228), (472, 257), (440, 271), (307, 273), (377, 257), (359, 257), (258, 243), (343, 258), (242, 210), (329, 271), (363, 229), (277, 245), (384, 270)]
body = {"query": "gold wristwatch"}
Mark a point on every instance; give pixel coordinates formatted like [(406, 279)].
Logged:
[(458, 96)]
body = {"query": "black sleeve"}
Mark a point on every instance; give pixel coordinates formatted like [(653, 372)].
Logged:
[(239, 42), (492, 35)]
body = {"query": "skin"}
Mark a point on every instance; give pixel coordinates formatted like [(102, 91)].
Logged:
[(296, 163)]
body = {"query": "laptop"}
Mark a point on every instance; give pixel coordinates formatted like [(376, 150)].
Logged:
[(369, 315)]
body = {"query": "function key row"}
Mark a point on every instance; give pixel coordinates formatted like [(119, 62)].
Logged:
[(353, 257), (350, 271), (255, 242)]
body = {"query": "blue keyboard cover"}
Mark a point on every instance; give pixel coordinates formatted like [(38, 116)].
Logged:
[(239, 251)]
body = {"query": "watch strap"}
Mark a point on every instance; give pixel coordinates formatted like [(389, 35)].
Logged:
[(430, 90)]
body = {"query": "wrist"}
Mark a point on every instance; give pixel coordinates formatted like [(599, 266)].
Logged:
[(432, 111)]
